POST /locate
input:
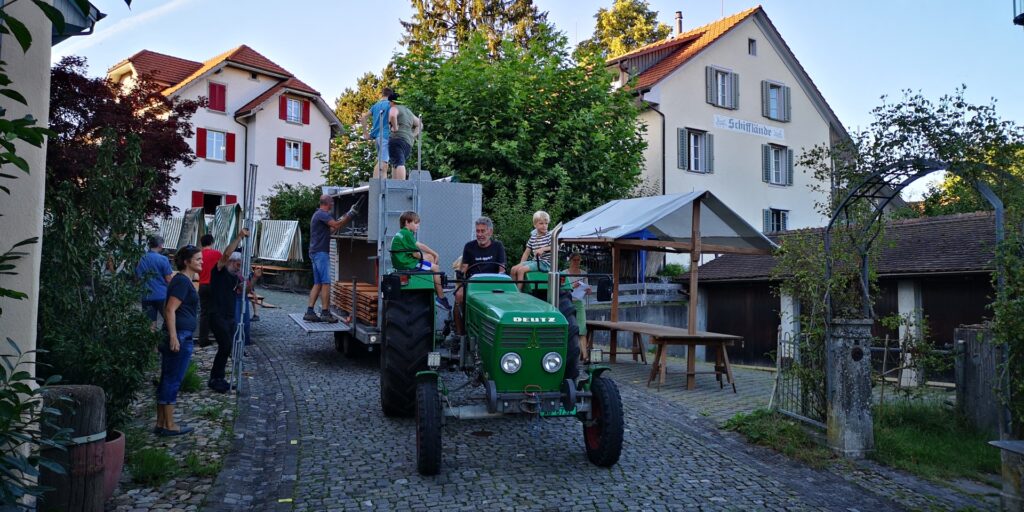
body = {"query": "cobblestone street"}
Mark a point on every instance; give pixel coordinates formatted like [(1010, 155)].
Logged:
[(311, 437)]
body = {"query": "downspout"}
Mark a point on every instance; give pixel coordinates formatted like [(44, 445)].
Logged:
[(245, 158), (652, 107)]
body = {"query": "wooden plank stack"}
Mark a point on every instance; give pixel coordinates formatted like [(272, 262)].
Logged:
[(366, 300)]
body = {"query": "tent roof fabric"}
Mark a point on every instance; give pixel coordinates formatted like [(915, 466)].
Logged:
[(667, 218)]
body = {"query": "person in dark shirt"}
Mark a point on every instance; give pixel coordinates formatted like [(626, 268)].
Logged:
[(223, 281), (481, 256), (320, 228), (180, 322)]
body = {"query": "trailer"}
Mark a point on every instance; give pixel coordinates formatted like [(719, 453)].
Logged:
[(360, 253)]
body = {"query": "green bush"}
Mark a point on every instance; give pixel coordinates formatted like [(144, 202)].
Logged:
[(197, 467), (90, 323), (152, 466), (671, 270), (513, 217), (293, 202), (192, 382)]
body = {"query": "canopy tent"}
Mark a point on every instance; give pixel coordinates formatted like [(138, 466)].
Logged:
[(693, 223), (227, 219), (178, 232), (280, 240)]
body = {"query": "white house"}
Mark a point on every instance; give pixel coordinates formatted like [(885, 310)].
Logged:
[(257, 113), (728, 108)]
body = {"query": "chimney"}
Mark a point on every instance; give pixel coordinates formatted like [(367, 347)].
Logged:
[(679, 22)]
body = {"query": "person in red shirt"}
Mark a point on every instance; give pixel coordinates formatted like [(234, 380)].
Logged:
[(212, 255)]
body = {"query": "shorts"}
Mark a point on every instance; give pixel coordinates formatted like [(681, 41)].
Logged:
[(382, 150), (153, 309), (321, 267), (399, 151), (532, 266)]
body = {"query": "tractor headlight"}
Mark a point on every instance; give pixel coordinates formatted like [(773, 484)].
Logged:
[(552, 362), (511, 362)]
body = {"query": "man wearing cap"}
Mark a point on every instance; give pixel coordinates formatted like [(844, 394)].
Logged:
[(405, 127), (223, 281)]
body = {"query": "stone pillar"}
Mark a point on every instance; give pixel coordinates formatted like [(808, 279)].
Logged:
[(908, 294), (848, 378)]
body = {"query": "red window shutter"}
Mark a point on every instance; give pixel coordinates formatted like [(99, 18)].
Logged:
[(280, 151), (305, 156), (305, 111), (201, 142), (197, 199), (217, 97), (230, 150), (230, 199), (282, 108)]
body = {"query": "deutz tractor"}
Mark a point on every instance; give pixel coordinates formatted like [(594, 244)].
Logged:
[(520, 351)]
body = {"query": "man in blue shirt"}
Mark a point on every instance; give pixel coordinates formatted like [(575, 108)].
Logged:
[(156, 270), (320, 228), (378, 115)]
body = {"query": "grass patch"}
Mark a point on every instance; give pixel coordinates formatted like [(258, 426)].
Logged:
[(192, 381), (197, 467), (767, 428), (931, 440), (152, 466), (211, 412)]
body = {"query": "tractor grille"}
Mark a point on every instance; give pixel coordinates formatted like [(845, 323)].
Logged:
[(520, 337), (487, 331)]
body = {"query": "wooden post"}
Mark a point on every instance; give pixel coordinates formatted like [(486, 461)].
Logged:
[(613, 334), (691, 322), (83, 410)]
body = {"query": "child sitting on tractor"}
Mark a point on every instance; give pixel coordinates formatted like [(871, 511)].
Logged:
[(538, 250), (409, 254)]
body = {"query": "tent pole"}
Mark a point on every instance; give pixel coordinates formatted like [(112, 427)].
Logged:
[(694, 261), (616, 261)]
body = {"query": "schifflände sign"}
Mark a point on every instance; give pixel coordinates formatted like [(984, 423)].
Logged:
[(749, 127)]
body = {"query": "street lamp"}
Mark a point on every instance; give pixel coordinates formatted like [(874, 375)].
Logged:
[(1018, 12)]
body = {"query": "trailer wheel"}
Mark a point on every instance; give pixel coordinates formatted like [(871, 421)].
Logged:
[(407, 339), (603, 436), (428, 427)]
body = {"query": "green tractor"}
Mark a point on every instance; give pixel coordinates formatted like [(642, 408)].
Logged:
[(519, 355)]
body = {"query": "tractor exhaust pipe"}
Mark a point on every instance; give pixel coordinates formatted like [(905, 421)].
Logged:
[(553, 281)]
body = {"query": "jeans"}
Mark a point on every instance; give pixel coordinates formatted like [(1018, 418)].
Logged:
[(153, 309), (172, 368), (205, 308)]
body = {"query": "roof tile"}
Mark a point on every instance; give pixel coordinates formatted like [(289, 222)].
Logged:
[(165, 69)]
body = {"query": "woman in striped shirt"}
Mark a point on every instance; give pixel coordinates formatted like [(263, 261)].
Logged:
[(538, 249)]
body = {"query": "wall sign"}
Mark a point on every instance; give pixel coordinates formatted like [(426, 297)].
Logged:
[(749, 127)]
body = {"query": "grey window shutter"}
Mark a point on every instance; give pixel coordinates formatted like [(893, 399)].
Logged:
[(709, 151), (765, 99), (767, 213), (709, 81), (789, 167), (766, 163), (785, 104), (735, 90), (683, 138), (783, 220)]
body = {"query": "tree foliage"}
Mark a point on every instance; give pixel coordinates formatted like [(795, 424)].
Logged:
[(82, 107), (626, 26), (352, 156), (89, 320), (293, 202), (445, 25), (531, 116)]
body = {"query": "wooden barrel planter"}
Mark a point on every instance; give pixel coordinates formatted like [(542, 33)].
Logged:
[(83, 410)]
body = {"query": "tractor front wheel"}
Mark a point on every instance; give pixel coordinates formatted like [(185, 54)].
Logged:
[(603, 434), (408, 338), (428, 428)]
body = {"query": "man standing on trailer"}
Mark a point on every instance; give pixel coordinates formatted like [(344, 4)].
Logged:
[(378, 115), (320, 228), (405, 127)]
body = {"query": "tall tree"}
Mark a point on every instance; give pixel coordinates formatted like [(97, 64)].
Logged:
[(82, 107), (628, 25), (447, 24), (531, 117), (351, 155)]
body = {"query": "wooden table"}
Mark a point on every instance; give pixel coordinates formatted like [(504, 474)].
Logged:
[(663, 336)]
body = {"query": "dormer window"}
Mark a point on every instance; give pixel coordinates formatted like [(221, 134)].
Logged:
[(294, 111), (217, 97)]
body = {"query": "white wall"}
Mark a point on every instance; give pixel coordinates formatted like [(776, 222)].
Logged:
[(214, 177), (22, 210), (736, 179)]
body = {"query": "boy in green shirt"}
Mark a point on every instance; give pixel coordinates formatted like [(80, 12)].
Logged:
[(409, 254)]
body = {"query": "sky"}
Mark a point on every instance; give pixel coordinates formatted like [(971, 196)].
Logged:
[(855, 52)]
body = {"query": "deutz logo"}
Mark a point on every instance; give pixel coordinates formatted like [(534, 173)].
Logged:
[(534, 319)]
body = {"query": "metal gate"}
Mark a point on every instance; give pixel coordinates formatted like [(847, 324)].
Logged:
[(801, 399)]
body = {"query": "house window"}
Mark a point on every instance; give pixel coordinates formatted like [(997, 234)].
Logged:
[(722, 87), (294, 111), (216, 145), (696, 150), (775, 101), (211, 202), (293, 154), (752, 47), (775, 220), (776, 164), (217, 100)]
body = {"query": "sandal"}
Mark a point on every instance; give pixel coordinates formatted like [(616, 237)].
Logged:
[(182, 430)]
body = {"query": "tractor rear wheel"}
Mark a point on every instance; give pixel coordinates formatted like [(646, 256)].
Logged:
[(408, 337), (428, 427), (572, 348), (603, 437)]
